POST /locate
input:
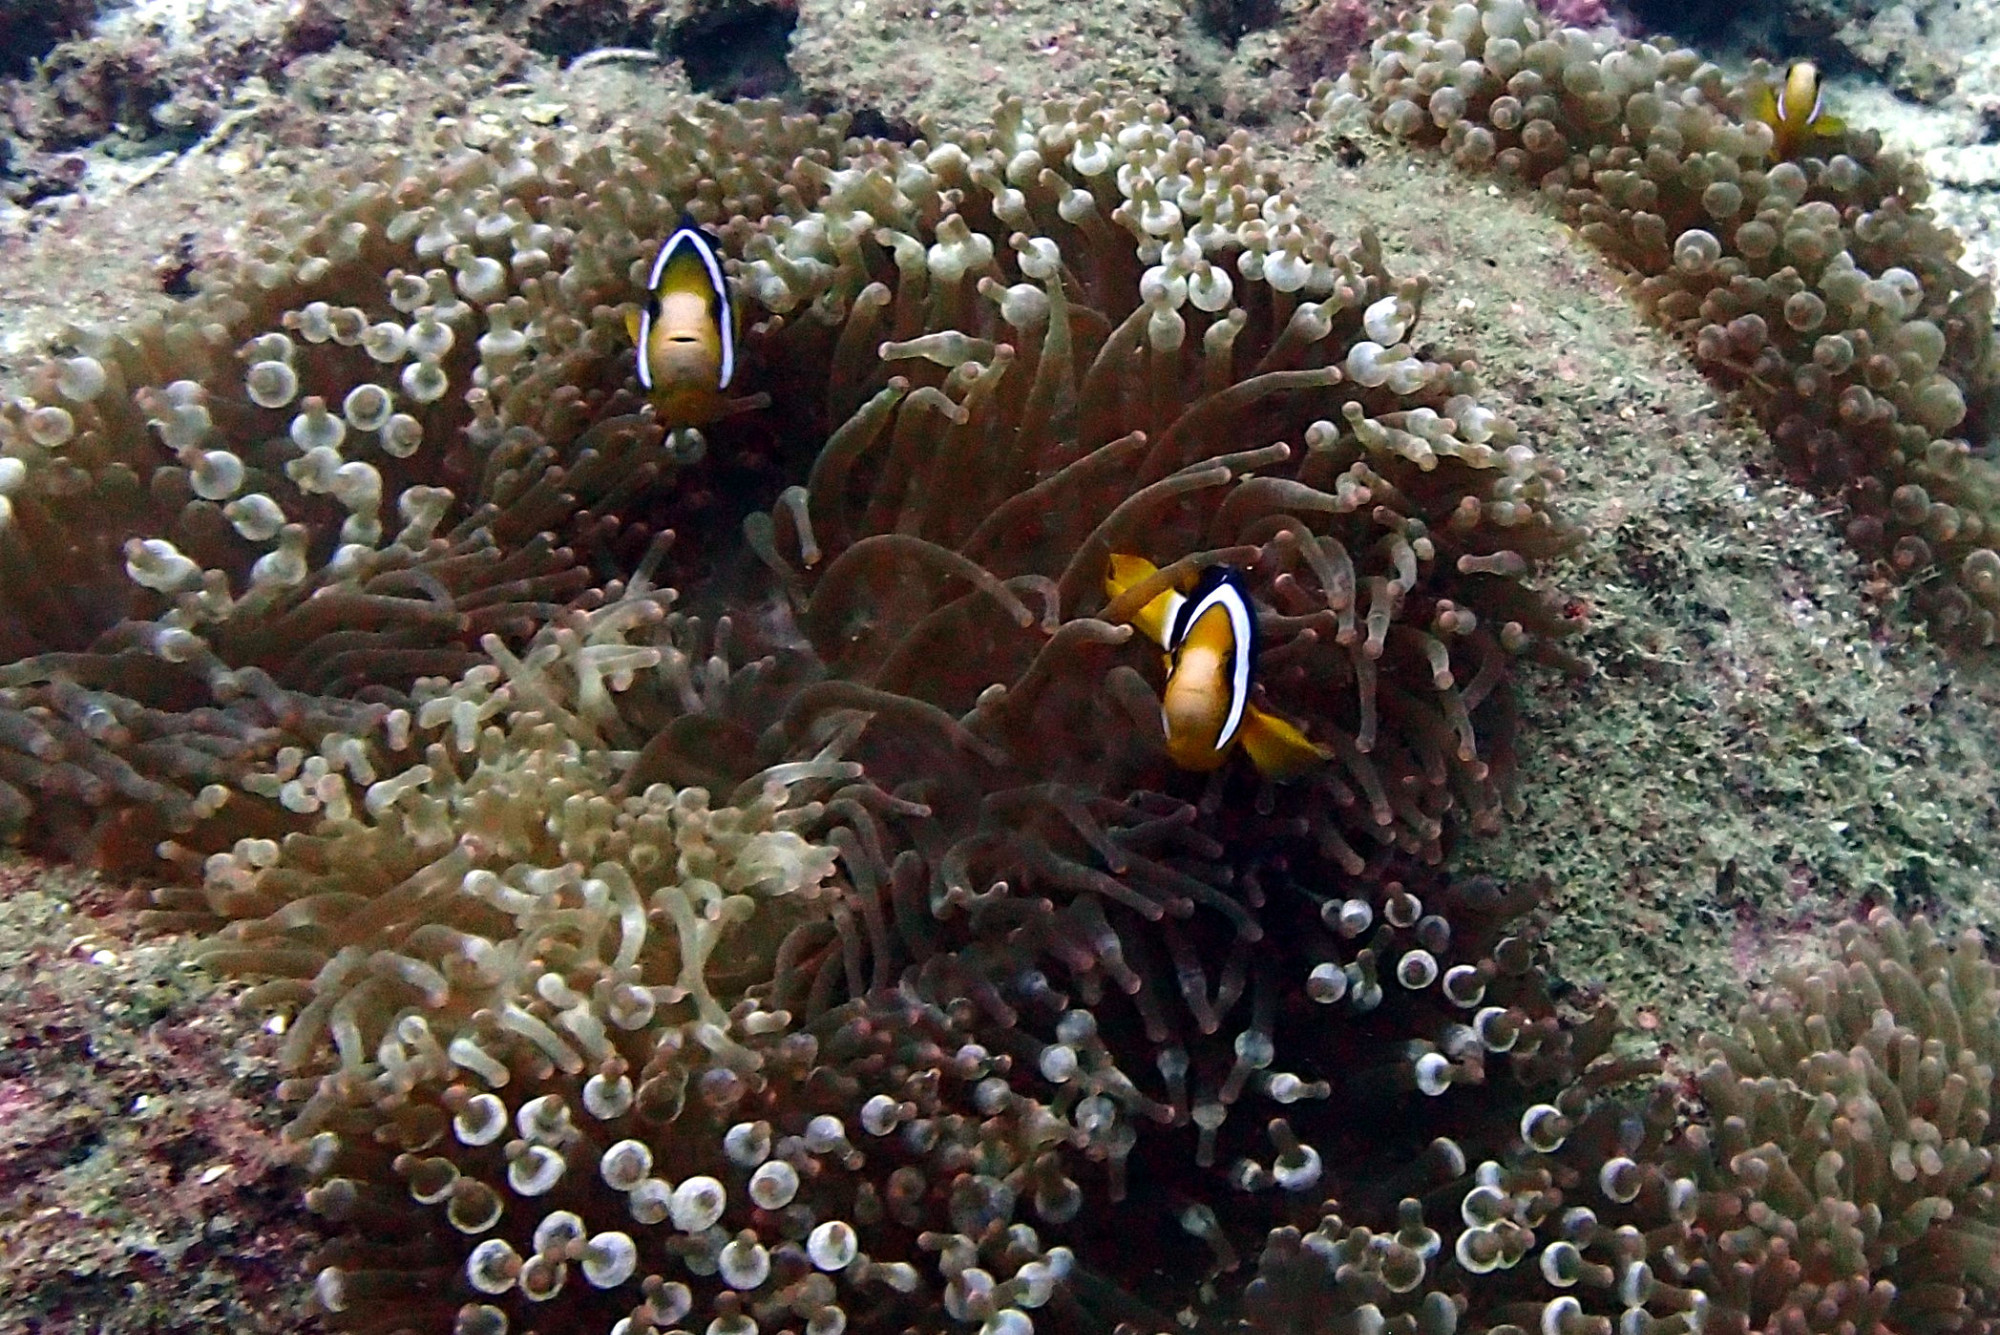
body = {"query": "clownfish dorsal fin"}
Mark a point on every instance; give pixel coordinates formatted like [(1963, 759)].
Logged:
[(1124, 572)]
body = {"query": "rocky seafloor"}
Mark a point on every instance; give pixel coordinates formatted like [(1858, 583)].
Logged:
[(1767, 741)]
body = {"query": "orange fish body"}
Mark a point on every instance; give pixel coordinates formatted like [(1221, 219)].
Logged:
[(685, 336), (1210, 635), (1795, 110)]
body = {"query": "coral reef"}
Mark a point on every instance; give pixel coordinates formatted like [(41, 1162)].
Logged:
[(735, 881), (949, 61), (225, 656), (1819, 287)]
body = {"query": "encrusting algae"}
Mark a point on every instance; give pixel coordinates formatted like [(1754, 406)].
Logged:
[(739, 882)]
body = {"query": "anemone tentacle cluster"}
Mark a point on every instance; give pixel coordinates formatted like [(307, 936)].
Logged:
[(1854, 1109), (737, 877), (426, 434), (1820, 286), (1841, 1178)]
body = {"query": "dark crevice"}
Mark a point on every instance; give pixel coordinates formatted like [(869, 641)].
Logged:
[(1718, 24), (1728, 27), (870, 123), (1231, 20), (736, 52), (567, 29), (33, 28)]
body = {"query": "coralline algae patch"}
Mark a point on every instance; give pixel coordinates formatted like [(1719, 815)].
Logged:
[(143, 1182)]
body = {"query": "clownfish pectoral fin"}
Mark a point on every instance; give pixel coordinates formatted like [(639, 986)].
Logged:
[(1152, 619), (1279, 750), (1767, 106), (632, 326), (1764, 105), (1830, 126)]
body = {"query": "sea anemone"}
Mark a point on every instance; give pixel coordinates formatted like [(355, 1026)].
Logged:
[(1821, 288), (740, 874)]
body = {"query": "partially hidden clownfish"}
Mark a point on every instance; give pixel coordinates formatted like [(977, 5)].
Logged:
[(1210, 635), (1795, 110), (685, 334)]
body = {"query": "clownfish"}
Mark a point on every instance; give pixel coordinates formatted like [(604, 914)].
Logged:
[(1210, 635), (1795, 110), (685, 335)]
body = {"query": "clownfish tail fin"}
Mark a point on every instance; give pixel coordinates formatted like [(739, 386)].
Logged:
[(1279, 750)]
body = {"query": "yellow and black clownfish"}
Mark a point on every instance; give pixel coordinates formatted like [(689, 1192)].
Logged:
[(1210, 635), (685, 334), (1795, 110)]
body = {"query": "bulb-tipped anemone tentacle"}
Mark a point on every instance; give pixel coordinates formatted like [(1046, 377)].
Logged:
[(676, 861)]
